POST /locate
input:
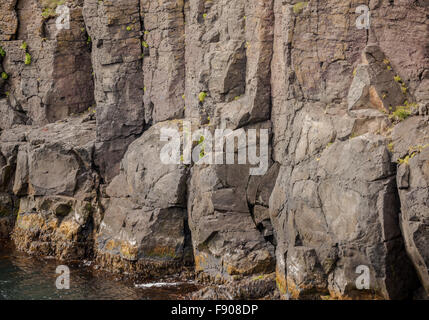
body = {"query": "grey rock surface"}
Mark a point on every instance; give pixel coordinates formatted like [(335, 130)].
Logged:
[(144, 229), (346, 185)]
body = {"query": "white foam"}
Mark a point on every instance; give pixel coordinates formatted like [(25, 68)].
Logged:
[(157, 285)]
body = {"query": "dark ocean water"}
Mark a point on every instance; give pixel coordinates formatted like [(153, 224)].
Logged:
[(26, 277)]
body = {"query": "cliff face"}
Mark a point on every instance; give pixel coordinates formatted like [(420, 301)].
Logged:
[(347, 179)]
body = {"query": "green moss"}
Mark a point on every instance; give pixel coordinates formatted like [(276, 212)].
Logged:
[(48, 13), (24, 46), (129, 28), (401, 113), (2, 52), (49, 8), (397, 78), (202, 96), (390, 147), (201, 144), (4, 76), (298, 7), (144, 44), (27, 60)]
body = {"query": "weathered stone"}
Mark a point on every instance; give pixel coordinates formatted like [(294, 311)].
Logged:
[(54, 226), (346, 209), (114, 28), (415, 215), (8, 19), (56, 81), (312, 108), (230, 65), (144, 229), (8, 210), (374, 84), (410, 141), (10, 116), (56, 184), (345, 184), (163, 59), (256, 287), (226, 240)]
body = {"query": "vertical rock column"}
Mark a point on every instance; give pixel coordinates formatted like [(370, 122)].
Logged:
[(8, 202), (228, 56), (163, 59), (8, 20), (115, 31), (49, 68), (215, 56), (335, 206)]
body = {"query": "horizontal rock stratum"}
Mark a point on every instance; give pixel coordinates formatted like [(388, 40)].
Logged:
[(342, 211)]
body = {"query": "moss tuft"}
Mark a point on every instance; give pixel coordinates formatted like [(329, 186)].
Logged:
[(27, 60), (298, 7), (202, 96), (401, 113)]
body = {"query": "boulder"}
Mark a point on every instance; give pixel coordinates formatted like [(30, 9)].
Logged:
[(145, 228), (56, 184), (227, 239), (336, 213)]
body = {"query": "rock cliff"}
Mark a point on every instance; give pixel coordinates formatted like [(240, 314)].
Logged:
[(345, 188)]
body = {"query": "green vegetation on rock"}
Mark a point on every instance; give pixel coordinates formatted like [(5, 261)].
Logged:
[(298, 7), (202, 96), (27, 60), (2, 52)]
